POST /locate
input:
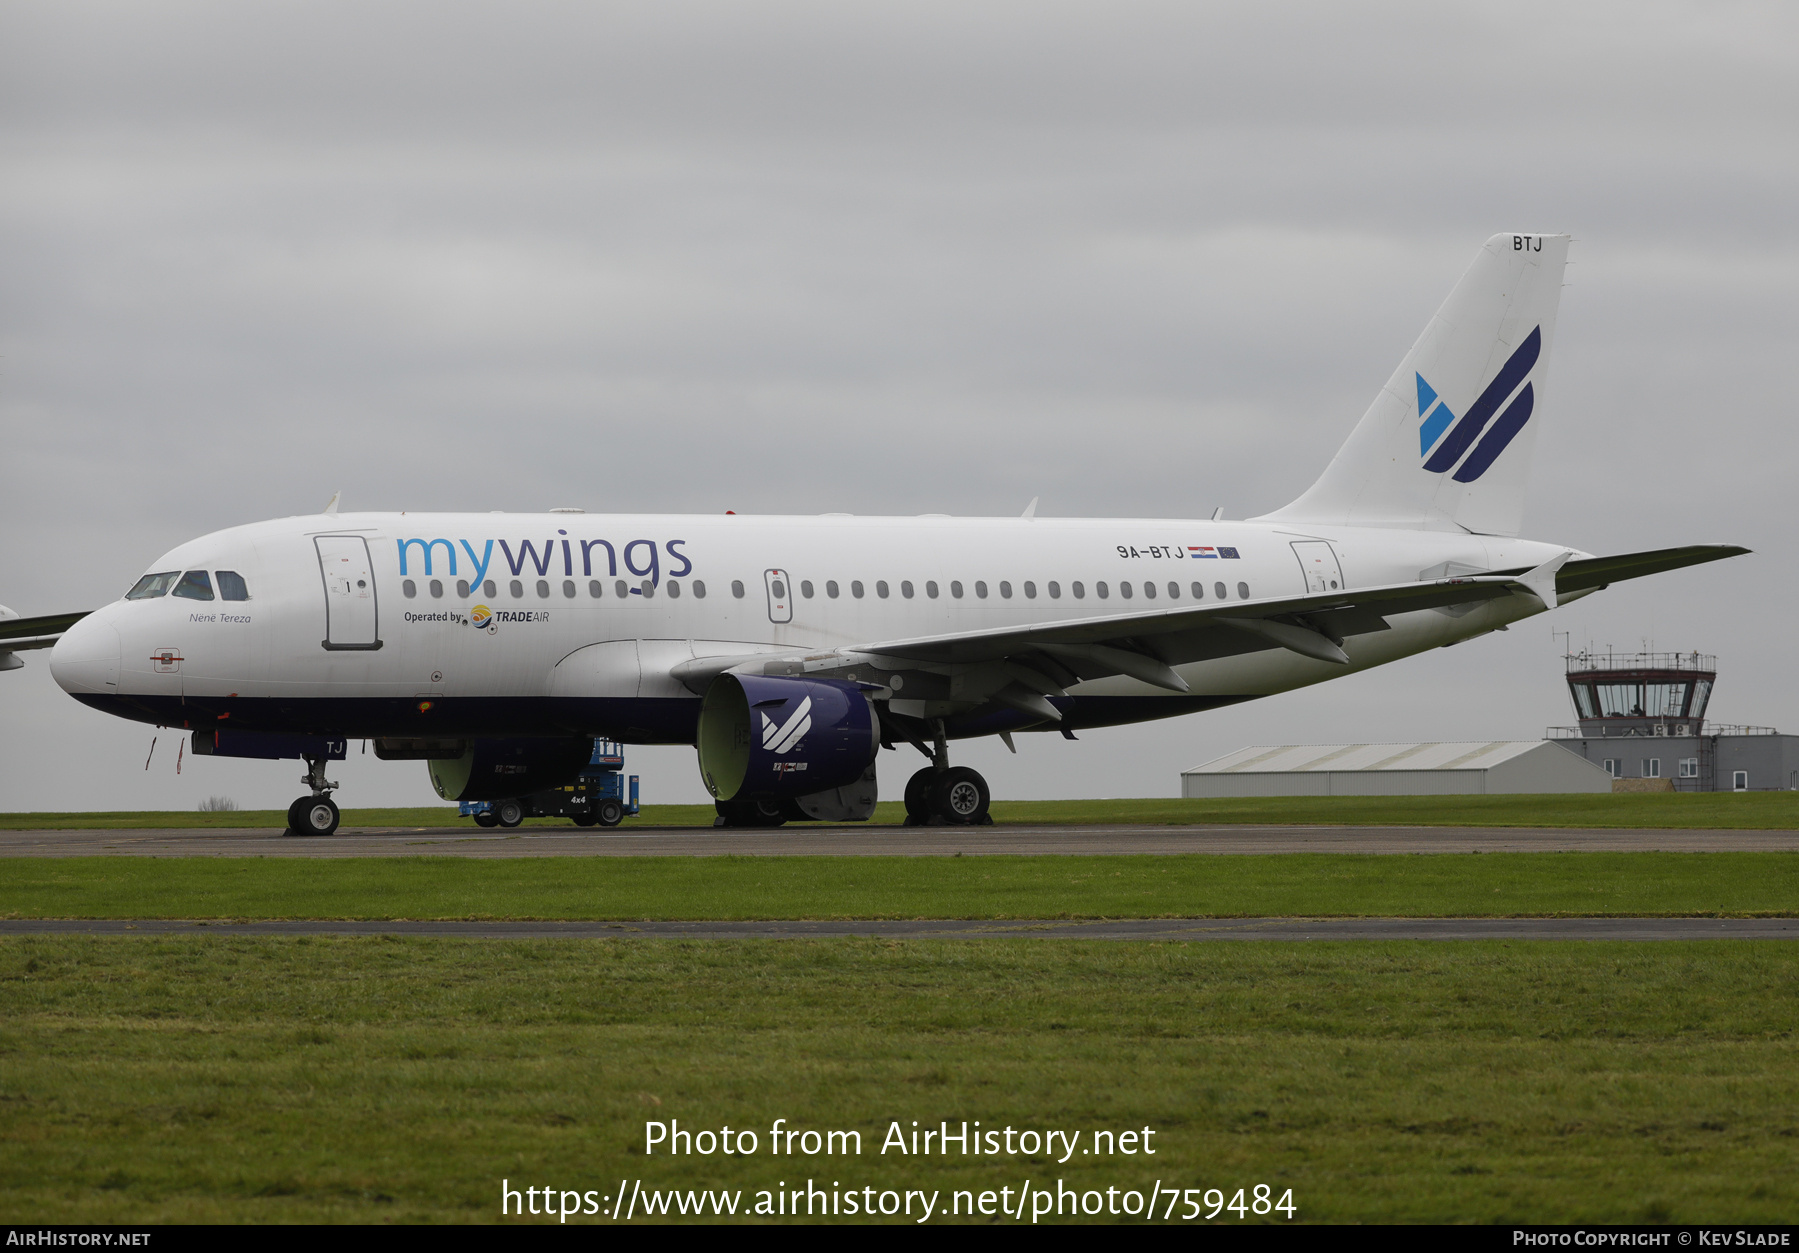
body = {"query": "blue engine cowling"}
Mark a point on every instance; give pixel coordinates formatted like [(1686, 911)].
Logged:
[(491, 770), (769, 738)]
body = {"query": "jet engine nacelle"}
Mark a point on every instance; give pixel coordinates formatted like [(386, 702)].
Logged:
[(771, 738), (491, 770)]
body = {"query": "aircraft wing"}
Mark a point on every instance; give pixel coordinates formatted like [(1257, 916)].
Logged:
[(20, 634), (1301, 623), (1147, 644), (1313, 624)]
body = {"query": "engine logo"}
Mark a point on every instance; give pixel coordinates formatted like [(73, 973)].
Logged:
[(785, 737)]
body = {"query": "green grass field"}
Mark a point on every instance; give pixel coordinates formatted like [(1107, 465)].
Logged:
[(391, 1080), (1312, 884), (1725, 810), (249, 1079)]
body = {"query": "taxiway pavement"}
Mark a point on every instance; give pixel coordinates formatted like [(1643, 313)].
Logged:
[(872, 841)]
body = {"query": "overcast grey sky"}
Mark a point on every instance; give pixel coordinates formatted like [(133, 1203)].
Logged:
[(1133, 258)]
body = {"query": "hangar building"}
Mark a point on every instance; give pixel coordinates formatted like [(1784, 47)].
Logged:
[(1486, 767)]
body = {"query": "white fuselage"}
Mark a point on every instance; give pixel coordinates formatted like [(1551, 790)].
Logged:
[(464, 623)]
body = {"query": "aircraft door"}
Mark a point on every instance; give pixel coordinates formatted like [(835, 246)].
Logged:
[(1319, 562), (349, 575), (780, 595)]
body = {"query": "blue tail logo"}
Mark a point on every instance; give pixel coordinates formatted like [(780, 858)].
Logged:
[(1435, 418)]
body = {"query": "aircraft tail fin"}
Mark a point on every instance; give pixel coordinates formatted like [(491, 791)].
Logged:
[(1446, 444)]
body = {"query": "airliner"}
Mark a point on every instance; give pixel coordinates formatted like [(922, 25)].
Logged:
[(789, 651)]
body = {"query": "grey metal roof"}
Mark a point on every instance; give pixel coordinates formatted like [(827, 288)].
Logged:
[(1453, 755)]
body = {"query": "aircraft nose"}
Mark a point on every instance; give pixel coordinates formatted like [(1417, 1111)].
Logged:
[(85, 660)]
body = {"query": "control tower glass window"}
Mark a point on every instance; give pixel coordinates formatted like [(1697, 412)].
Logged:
[(1640, 700), (1702, 692)]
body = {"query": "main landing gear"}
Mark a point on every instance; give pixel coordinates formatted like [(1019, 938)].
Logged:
[(940, 795), (316, 814), (946, 795)]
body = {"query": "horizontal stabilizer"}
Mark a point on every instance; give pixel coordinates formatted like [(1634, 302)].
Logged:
[(1591, 572)]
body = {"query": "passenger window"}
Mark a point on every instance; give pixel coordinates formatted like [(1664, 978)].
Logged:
[(1030, 590), (736, 588), (1149, 591), (1124, 590), (1055, 590), (622, 588), (1243, 590), (543, 589), (673, 588), (517, 589), (699, 589), (1199, 591), (437, 589), (649, 589), (856, 588), (955, 588), (568, 589), (153, 585), (980, 589), (806, 588), (1222, 594), (594, 589), (881, 588), (462, 588), (830, 589), (408, 588), (930, 589), (1174, 590), (488, 590), (906, 588), (780, 589), (1079, 589), (195, 585), (1100, 590), (1005, 589), (232, 586)]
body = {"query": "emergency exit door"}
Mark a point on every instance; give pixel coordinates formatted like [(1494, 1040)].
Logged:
[(780, 595), (349, 576), (1319, 561)]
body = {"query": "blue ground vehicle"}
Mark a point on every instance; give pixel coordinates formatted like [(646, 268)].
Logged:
[(599, 795)]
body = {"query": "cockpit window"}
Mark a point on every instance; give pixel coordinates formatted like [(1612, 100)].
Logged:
[(153, 585), (231, 586), (194, 585)]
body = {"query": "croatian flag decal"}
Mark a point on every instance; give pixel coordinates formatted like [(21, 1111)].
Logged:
[(1202, 552)]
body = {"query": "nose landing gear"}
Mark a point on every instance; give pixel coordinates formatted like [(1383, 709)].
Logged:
[(946, 795), (316, 814)]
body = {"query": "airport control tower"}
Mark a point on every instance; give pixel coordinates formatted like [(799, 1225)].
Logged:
[(1654, 694), (1642, 717)]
